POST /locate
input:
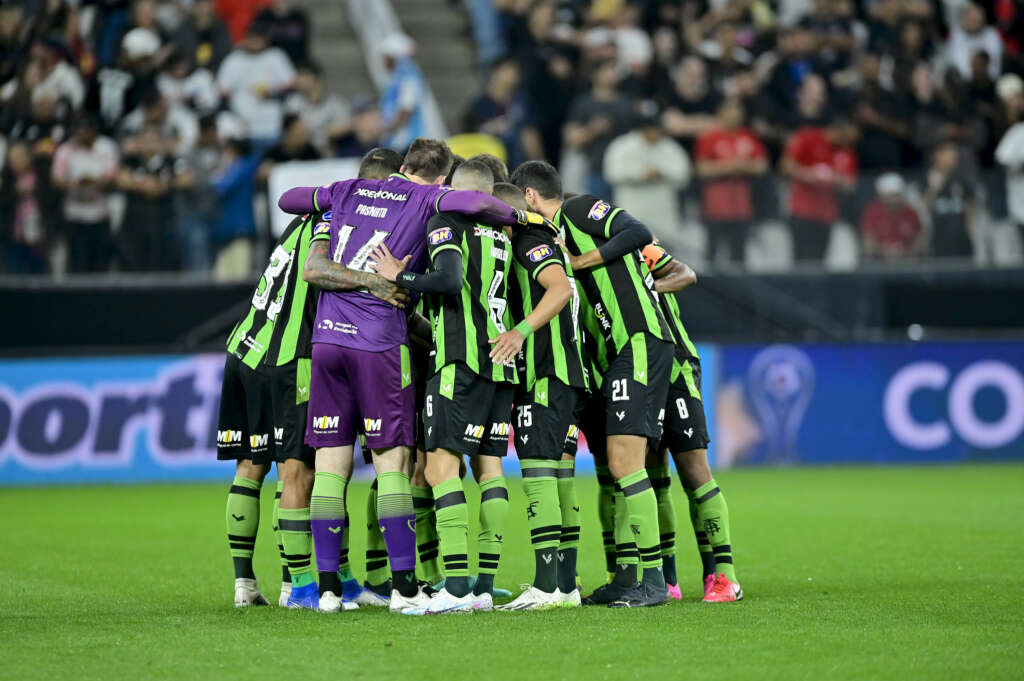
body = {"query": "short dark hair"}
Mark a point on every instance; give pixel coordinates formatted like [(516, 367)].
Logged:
[(478, 172), (456, 162), (497, 166), (379, 163), (510, 194), (428, 158), (540, 176)]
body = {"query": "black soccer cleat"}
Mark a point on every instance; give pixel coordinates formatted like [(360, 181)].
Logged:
[(645, 596), (609, 593)]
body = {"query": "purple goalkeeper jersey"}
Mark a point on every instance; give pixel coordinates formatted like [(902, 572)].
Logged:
[(363, 215)]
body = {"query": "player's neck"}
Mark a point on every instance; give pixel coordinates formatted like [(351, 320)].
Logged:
[(416, 178), (548, 207)]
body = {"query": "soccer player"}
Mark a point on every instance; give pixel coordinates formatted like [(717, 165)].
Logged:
[(469, 397), (686, 439), (633, 353), (361, 363), (551, 380)]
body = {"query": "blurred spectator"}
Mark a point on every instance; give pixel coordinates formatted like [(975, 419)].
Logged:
[(971, 35), (819, 162), (914, 47), (950, 200), (881, 115), (146, 178), (202, 37), (236, 227), (403, 107), (14, 41), (501, 111), (85, 168), (120, 87), (890, 227), (295, 145), (797, 61), (812, 105), (940, 114), (646, 169), (725, 56), (238, 15), (287, 28), (57, 79), (366, 133), (198, 209), (690, 108), (176, 125), (833, 30), (23, 238), (1010, 152), (327, 115), (185, 85), (729, 157), (255, 77), (595, 119)]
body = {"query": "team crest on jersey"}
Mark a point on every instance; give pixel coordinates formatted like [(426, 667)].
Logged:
[(439, 236), (599, 210), (538, 253)]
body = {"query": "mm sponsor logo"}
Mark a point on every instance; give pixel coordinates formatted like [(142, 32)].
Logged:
[(372, 425), (326, 422), (538, 253), (475, 432), (574, 432), (599, 210), (440, 236), (380, 194), (371, 211), (229, 438), (500, 429), (259, 441), (278, 435)]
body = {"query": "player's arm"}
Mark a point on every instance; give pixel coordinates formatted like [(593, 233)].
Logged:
[(444, 279), (557, 293), (674, 276), (419, 330), (625, 234), (328, 275), (485, 208), (299, 200)]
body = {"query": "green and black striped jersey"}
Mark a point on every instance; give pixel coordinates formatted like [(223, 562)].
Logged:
[(463, 324), (620, 296), (553, 350), (657, 257), (279, 324)]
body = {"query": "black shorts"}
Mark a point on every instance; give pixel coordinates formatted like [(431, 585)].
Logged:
[(466, 413), (685, 426), (635, 388), (589, 419), (545, 419), (263, 412), (421, 364)]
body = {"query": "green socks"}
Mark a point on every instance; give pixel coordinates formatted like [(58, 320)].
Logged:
[(493, 514), (285, 576), (606, 514), (713, 514), (627, 557), (544, 518), (452, 532), (376, 549), (569, 546), (707, 558), (426, 534), (243, 520), (661, 481), (298, 544), (642, 506)]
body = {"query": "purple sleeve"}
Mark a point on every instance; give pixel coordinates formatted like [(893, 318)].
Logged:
[(485, 207), (298, 200)]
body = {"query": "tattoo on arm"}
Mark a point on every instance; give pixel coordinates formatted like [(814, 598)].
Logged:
[(328, 275)]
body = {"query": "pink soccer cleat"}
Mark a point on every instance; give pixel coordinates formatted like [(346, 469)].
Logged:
[(709, 584), (724, 591), (675, 592)]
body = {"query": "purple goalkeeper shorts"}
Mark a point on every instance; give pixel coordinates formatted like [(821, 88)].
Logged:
[(354, 391)]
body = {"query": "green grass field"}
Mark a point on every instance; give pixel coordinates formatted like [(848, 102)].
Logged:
[(849, 573)]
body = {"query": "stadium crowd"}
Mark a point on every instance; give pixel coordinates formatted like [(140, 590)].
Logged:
[(135, 134)]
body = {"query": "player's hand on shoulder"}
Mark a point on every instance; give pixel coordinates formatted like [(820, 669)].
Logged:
[(385, 264)]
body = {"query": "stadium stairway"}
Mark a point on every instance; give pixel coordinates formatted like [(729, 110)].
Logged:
[(336, 48), (444, 51)]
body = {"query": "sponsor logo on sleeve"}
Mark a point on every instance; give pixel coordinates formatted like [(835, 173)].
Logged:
[(322, 228), (538, 253), (439, 236), (599, 210)]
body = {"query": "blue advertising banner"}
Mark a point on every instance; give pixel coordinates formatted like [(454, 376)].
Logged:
[(881, 403)]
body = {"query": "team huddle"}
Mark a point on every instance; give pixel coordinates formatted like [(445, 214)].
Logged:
[(431, 308)]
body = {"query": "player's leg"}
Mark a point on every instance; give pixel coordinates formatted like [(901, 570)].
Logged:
[(661, 480), (426, 531), (569, 540), (592, 424), (293, 524), (378, 577), (397, 517), (286, 578)]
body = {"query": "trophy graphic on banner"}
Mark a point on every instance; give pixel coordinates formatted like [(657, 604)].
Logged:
[(780, 382)]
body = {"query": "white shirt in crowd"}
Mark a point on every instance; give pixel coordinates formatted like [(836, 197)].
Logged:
[(180, 123), (198, 88), (252, 82), (331, 111), (1010, 154), (73, 164), (629, 164), (962, 46), (63, 82)]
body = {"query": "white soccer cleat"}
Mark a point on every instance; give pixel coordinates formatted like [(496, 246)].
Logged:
[(400, 603), (286, 593), (331, 603), (247, 593), (443, 603), (569, 600), (483, 603), (371, 599), (534, 599)]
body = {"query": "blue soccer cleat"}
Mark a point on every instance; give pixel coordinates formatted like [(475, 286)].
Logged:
[(305, 597)]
